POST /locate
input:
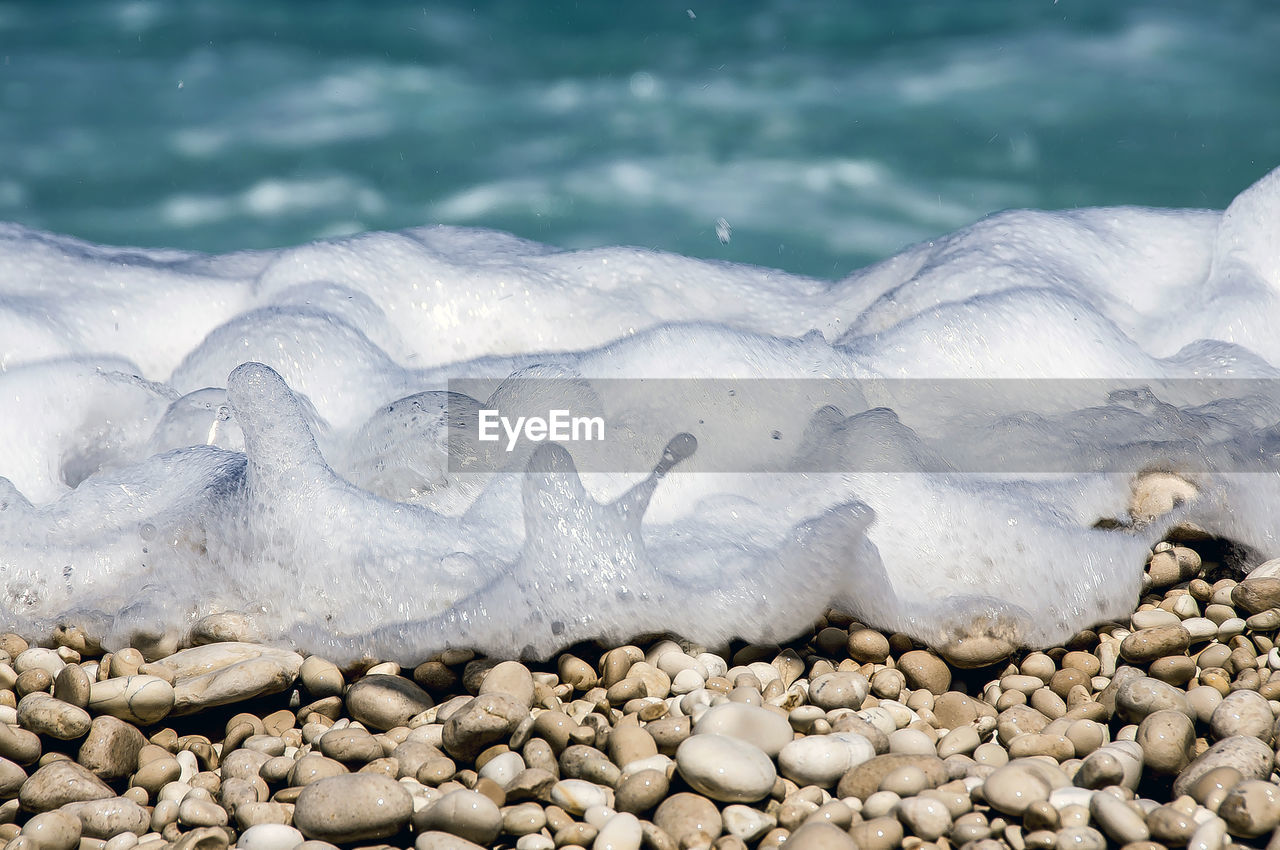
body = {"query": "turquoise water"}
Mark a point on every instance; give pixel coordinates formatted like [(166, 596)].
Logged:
[(826, 135)]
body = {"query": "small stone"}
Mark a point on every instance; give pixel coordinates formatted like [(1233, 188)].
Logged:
[(1117, 820), (1079, 838), (868, 646), (321, 677), (11, 778), (203, 838), (622, 831), (71, 685), (864, 780), (109, 817), (194, 812), (1256, 595), (1247, 754), (55, 830), (1146, 645), (882, 833), (764, 729), (353, 807), (436, 840), (822, 759), (269, 836), (685, 816), (45, 715), (61, 782), (1166, 738), (480, 722), (1251, 809), (141, 700), (352, 745), (511, 678), (747, 822), (467, 814), (575, 796), (1243, 712), (639, 792), (925, 670), (839, 690), (1143, 695), (224, 673), (381, 701), (820, 836), (925, 817), (19, 745), (725, 768)]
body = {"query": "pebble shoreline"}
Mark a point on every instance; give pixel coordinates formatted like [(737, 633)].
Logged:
[(1156, 732)]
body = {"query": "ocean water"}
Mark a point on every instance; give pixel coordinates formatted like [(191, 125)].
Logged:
[(260, 406), (826, 135)]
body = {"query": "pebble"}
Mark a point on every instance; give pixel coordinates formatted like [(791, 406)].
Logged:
[(766, 730), (352, 807), (621, 831), (467, 814), (55, 830), (60, 782), (839, 690), (822, 759), (747, 822), (925, 817), (725, 768), (223, 673), (45, 715), (109, 817), (1243, 712), (111, 749), (1014, 787), (686, 816), (821, 836), (1118, 820), (270, 836), (383, 701), (923, 669), (1251, 809), (141, 700), (1247, 754), (1166, 738)]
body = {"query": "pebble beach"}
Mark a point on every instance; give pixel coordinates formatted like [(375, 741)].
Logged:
[(1156, 731)]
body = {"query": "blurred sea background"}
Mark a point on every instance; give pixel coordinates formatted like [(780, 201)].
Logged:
[(825, 135)]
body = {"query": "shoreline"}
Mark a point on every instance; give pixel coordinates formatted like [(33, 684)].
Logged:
[(1160, 729)]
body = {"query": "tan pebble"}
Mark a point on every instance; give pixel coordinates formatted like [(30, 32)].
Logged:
[(1170, 825), (352, 807), (382, 701), (60, 782), (1143, 695), (924, 817), (821, 836), (350, 745), (467, 814), (1243, 712), (55, 830), (641, 791), (839, 690), (683, 816), (523, 819), (976, 650), (725, 768), (1166, 738), (268, 836), (44, 715), (864, 779), (1255, 595), (1118, 820), (763, 728), (1211, 788), (923, 669), (1251, 809), (71, 685), (511, 678), (882, 833), (747, 822), (1175, 670), (1079, 838), (1250, 756), (196, 813), (482, 721), (111, 749), (19, 745), (868, 646)]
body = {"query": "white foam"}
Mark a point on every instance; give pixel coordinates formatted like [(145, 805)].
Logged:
[(313, 491)]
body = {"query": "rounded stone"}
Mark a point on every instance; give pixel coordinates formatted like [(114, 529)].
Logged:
[(839, 690), (639, 792), (511, 678), (822, 759), (269, 836), (353, 807), (575, 796), (622, 831), (45, 715), (467, 814), (1117, 820), (767, 730), (923, 669), (382, 701), (223, 673), (1146, 645), (865, 779), (141, 700), (1166, 738), (925, 817), (747, 822), (1256, 595), (55, 830), (1014, 787), (111, 749), (820, 836), (1251, 809), (61, 782), (1253, 758), (684, 816), (1243, 712), (109, 817), (868, 646), (1143, 695), (480, 722), (725, 768)]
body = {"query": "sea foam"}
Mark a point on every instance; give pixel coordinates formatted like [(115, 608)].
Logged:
[(270, 432)]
